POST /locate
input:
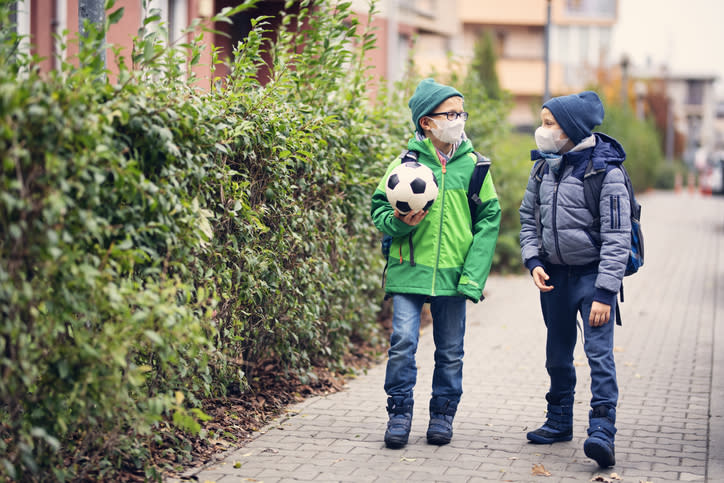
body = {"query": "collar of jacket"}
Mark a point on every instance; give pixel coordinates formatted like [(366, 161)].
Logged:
[(425, 146)]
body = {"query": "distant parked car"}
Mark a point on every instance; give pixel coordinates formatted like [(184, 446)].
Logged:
[(712, 177)]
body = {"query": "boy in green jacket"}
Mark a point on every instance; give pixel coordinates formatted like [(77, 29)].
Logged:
[(441, 256)]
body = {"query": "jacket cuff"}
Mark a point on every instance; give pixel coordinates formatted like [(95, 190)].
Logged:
[(531, 263), (470, 290), (605, 297)]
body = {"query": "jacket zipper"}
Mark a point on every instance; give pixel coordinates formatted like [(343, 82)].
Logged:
[(555, 227), (439, 231)]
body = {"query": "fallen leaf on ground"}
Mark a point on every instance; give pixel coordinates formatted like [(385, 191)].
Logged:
[(408, 459), (539, 470), (602, 478)]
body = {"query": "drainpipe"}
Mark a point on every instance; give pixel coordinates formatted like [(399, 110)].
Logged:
[(392, 41)]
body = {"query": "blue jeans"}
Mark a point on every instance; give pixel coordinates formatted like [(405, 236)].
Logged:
[(448, 329), (573, 294)]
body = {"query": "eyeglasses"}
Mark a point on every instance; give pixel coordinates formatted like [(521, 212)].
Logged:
[(451, 115)]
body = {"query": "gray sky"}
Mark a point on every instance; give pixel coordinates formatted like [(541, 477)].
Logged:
[(688, 35)]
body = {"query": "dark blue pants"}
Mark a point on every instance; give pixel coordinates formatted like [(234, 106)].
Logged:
[(573, 295)]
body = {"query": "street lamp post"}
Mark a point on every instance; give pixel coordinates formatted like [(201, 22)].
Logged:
[(546, 52), (624, 80)]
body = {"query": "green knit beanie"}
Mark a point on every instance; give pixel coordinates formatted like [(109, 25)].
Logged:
[(428, 95)]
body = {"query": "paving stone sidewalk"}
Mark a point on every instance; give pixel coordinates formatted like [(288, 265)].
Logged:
[(669, 355)]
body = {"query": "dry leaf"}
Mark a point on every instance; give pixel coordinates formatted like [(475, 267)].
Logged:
[(602, 478), (539, 470), (408, 459)]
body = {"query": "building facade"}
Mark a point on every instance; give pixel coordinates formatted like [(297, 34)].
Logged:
[(578, 45)]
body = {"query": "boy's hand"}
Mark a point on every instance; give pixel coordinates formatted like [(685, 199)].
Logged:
[(412, 218), (600, 313), (539, 278)]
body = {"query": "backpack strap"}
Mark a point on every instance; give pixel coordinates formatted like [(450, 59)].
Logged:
[(592, 183), (482, 166), (408, 156), (537, 176)]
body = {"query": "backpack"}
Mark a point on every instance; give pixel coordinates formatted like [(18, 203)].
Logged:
[(592, 182), (482, 166)]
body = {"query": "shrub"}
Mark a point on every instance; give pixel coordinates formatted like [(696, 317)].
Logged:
[(640, 141), (158, 243)]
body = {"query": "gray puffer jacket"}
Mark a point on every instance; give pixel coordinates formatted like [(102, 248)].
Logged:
[(566, 234)]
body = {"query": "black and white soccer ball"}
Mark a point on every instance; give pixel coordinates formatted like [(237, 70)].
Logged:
[(411, 186)]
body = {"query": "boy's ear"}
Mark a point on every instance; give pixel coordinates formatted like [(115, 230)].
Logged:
[(425, 123)]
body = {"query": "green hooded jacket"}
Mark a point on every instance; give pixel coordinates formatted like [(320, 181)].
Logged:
[(446, 253)]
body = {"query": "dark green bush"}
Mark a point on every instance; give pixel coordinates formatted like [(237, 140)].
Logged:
[(639, 139), (158, 243), (665, 176)]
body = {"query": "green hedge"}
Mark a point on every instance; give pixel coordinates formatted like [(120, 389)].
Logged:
[(640, 140), (159, 242)]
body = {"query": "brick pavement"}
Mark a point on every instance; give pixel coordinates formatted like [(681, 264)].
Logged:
[(670, 368)]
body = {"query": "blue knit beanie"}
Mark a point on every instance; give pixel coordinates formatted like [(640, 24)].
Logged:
[(577, 114), (428, 95)]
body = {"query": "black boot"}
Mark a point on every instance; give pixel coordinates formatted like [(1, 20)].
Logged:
[(400, 422), (442, 413), (601, 431), (559, 423)]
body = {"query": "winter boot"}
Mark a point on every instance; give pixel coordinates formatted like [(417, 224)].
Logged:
[(599, 445), (400, 422), (439, 431), (559, 423)]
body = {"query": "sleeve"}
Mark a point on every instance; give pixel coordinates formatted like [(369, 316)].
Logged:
[(529, 230), (383, 215), (485, 236), (615, 216)]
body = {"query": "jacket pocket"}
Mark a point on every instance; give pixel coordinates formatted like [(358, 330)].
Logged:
[(615, 211)]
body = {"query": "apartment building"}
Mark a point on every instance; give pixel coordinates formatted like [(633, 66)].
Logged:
[(40, 21), (579, 39), (694, 108), (434, 32)]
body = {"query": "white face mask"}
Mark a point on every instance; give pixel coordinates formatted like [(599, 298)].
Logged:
[(450, 131), (549, 140)]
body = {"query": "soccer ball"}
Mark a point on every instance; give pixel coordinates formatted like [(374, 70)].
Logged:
[(411, 186)]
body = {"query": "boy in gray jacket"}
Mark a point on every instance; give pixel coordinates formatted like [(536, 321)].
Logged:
[(577, 262)]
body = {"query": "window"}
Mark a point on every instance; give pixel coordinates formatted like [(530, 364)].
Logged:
[(20, 17), (694, 92), (590, 8)]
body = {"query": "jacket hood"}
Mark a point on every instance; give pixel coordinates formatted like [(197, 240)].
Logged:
[(608, 148)]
